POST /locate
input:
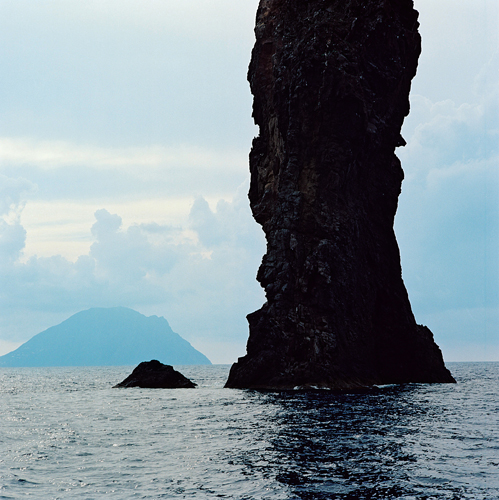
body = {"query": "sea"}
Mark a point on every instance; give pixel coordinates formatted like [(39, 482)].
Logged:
[(65, 433)]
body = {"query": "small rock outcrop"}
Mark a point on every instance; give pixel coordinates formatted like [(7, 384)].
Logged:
[(156, 375), (331, 81)]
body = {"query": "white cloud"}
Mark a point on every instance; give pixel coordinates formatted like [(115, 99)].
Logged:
[(62, 227), (45, 155), (12, 233), (12, 194), (204, 286), (143, 184), (443, 133), (12, 237), (447, 224), (206, 223)]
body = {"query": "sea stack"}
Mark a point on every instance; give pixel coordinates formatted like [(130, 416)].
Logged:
[(155, 375), (331, 82)]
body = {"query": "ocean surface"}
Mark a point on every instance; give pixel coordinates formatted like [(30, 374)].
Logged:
[(65, 433)]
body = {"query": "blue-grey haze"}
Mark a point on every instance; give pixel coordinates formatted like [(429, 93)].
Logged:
[(105, 337)]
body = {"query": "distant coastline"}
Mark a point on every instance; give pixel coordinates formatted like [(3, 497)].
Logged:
[(105, 337)]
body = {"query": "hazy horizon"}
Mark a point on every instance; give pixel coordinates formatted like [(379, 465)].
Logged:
[(124, 137)]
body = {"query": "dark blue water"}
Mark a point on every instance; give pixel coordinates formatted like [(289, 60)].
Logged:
[(65, 433)]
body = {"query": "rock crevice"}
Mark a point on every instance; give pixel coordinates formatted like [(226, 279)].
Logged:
[(331, 82)]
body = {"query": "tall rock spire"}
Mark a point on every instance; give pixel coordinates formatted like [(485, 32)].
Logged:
[(331, 81)]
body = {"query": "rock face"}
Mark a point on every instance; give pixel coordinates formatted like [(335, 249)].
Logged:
[(156, 375), (331, 81)]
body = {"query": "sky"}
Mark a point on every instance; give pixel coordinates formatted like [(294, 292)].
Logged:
[(125, 127)]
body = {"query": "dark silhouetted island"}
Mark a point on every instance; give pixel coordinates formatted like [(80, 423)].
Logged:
[(331, 82), (105, 337), (156, 375)]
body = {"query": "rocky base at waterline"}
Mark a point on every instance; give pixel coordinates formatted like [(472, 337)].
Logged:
[(115, 336), (331, 82), (156, 375)]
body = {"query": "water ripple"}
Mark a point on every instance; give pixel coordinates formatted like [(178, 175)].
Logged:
[(66, 433)]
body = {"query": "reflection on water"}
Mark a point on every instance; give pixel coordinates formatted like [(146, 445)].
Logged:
[(66, 434), (414, 441), (348, 446)]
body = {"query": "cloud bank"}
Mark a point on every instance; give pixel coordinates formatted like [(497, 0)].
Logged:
[(125, 125), (196, 276)]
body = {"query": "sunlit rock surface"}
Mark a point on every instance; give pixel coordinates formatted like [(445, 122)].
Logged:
[(331, 81)]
